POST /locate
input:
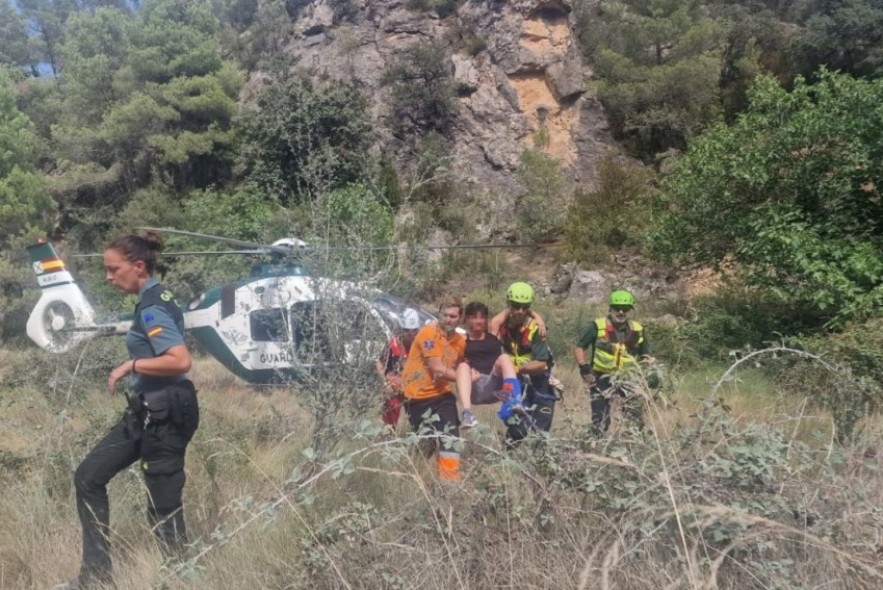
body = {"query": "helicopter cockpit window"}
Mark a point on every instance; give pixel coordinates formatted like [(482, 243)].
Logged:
[(269, 325)]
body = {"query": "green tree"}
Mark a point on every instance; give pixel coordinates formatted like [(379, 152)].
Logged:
[(161, 106), (46, 19), (540, 209), (23, 200), (26, 210), (614, 215), (791, 192), (424, 95), (756, 40), (845, 36), (658, 62), (301, 141), (95, 50), (356, 219), (13, 36)]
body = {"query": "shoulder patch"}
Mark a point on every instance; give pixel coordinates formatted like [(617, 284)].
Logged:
[(154, 331), (148, 317), (428, 345)]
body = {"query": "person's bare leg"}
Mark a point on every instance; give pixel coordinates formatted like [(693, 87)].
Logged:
[(464, 385), (504, 367)]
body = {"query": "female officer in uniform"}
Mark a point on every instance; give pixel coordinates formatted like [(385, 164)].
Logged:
[(162, 416)]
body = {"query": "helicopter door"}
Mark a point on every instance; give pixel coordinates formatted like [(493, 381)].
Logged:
[(269, 331), (336, 332)]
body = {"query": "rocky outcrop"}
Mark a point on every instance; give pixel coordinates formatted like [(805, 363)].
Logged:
[(515, 63)]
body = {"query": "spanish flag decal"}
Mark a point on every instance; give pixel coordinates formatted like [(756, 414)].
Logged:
[(51, 264), (154, 331)]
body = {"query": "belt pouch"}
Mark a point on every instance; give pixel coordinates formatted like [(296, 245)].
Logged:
[(156, 405)]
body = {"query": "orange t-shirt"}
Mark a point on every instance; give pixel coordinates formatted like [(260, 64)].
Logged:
[(431, 342)]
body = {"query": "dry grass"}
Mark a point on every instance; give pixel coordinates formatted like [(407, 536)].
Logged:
[(755, 498)]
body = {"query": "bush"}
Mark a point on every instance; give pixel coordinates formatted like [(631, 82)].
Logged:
[(302, 141), (614, 216), (444, 8), (540, 209), (424, 95), (849, 383), (733, 318)]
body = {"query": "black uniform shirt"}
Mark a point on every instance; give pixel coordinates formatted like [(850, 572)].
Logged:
[(482, 354)]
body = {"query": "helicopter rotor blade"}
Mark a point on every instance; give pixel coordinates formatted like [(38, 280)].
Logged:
[(252, 252), (265, 249), (451, 247)]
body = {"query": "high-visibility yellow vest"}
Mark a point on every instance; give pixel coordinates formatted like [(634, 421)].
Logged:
[(614, 351), (519, 346)]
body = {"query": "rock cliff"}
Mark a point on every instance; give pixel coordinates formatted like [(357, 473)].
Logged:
[(515, 65)]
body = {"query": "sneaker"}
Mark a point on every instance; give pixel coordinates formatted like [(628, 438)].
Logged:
[(469, 420)]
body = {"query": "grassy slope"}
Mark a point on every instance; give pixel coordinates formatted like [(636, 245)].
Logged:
[(653, 511)]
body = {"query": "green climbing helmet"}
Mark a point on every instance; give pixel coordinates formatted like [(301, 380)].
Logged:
[(622, 298), (520, 293)]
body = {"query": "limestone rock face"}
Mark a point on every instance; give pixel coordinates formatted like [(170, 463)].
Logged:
[(515, 62)]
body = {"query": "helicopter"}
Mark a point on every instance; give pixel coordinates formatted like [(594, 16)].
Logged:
[(277, 325)]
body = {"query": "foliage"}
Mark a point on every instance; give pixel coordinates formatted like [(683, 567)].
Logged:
[(730, 320), (851, 392), (756, 41), (26, 211), (95, 49), (151, 102), (47, 18), (659, 66), (540, 208), (841, 36), (349, 231), (790, 192), (443, 8), (712, 500), (13, 36), (424, 95), (615, 215), (301, 141)]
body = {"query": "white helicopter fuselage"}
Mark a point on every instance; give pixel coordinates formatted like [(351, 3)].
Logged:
[(265, 328), (278, 325)]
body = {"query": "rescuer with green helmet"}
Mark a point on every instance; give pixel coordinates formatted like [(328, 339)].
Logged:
[(617, 343), (525, 344)]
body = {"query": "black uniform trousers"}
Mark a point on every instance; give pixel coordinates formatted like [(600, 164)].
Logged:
[(442, 418), (600, 394), (161, 448), (539, 403)]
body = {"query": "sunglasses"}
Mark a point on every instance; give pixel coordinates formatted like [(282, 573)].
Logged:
[(621, 309), (519, 306)]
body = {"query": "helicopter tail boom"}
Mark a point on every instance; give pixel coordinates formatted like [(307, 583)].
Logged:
[(62, 313)]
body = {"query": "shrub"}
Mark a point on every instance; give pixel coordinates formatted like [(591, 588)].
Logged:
[(540, 208), (302, 141), (851, 385), (424, 95), (444, 8), (731, 319), (613, 216)]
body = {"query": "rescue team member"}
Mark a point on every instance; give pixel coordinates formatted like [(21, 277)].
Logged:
[(162, 416), (532, 357), (426, 379), (487, 375), (390, 364), (617, 343)]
